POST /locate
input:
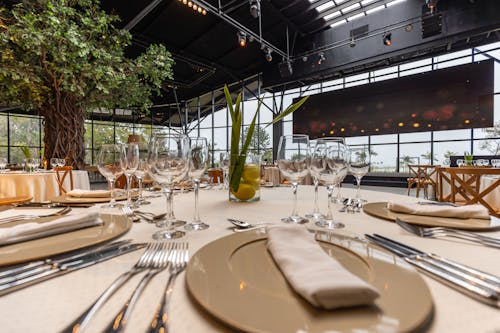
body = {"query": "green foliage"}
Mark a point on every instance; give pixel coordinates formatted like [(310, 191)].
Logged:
[(492, 145), (26, 151), (54, 48)]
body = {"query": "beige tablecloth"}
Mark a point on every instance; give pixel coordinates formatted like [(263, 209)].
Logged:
[(492, 198), (41, 186), (51, 305)]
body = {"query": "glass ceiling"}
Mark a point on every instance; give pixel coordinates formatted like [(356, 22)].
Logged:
[(338, 12)]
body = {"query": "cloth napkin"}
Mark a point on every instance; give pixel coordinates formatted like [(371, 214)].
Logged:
[(33, 230), (461, 212), (312, 273), (89, 194)]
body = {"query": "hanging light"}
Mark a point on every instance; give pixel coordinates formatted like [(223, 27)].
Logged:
[(353, 42), (268, 54), (255, 8), (242, 38), (386, 39), (321, 58)]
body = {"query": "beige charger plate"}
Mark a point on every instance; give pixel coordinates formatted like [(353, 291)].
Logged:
[(114, 226), (236, 280), (379, 209), (66, 199)]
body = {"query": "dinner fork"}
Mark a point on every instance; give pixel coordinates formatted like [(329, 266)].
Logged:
[(177, 265), (437, 232), (160, 262), (144, 262), (21, 217)]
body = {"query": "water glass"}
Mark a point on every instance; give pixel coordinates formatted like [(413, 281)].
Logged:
[(198, 163), (109, 165), (359, 164), (3, 163), (129, 161), (224, 162)]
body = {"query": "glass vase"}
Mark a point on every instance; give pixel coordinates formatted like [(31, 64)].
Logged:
[(248, 189)]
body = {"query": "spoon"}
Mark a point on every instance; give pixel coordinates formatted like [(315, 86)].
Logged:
[(241, 224), (150, 216)]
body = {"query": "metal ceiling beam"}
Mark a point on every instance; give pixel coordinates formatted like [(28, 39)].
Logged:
[(138, 18), (289, 22)]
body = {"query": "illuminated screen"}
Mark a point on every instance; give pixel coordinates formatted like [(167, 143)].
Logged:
[(452, 98)]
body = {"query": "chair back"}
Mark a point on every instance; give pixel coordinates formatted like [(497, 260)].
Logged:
[(61, 173), (216, 176)]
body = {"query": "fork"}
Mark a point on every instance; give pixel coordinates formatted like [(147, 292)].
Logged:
[(436, 232), (130, 213), (29, 217), (177, 265), (145, 261), (160, 262)]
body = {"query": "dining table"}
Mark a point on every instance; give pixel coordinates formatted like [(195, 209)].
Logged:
[(41, 185), (51, 305)]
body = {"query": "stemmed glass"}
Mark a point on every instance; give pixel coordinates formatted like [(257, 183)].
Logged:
[(129, 161), (224, 161), (3, 163), (329, 158), (141, 172), (359, 164), (293, 153), (315, 176), (168, 162), (198, 163), (108, 163)]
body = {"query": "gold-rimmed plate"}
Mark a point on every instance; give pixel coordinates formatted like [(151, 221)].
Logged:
[(236, 280), (379, 209), (113, 226), (68, 200)]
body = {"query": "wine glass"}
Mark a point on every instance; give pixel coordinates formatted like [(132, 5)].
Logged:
[(359, 164), (168, 162), (141, 172), (54, 162), (331, 171), (109, 165), (225, 161), (198, 163), (293, 153), (315, 176), (3, 163), (129, 161)]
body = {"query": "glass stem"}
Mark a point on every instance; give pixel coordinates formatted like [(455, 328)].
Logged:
[(196, 219), (294, 190), (316, 207), (139, 180), (358, 188), (330, 189), (169, 219), (129, 189), (111, 181)]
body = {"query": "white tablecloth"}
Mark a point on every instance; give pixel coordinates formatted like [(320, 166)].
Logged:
[(51, 305), (492, 198), (41, 186)]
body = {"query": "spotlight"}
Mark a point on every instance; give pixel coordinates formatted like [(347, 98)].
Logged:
[(305, 58), (190, 4), (431, 4), (204, 12), (268, 54), (321, 58), (242, 38), (255, 8), (184, 2), (195, 7), (387, 39), (353, 42)]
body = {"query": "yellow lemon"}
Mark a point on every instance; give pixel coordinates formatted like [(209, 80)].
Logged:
[(255, 183), (251, 172), (245, 192)]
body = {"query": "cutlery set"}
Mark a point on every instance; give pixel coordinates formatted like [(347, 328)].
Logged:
[(22, 217)]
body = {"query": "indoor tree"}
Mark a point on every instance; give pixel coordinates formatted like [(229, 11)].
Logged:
[(66, 58)]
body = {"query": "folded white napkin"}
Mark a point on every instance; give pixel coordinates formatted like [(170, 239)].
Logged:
[(312, 273), (32, 230), (460, 212), (89, 194)]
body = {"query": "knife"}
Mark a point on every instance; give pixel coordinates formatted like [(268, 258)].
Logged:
[(68, 267), (474, 283), (65, 256)]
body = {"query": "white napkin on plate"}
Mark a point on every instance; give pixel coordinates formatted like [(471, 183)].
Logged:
[(33, 230), (312, 273), (89, 194), (460, 212)]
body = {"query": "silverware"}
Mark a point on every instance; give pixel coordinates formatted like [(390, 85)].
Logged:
[(144, 262), (243, 225), (160, 262), (69, 266), (21, 217), (437, 232), (479, 285), (177, 265), (40, 266), (130, 213), (150, 216), (437, 203)]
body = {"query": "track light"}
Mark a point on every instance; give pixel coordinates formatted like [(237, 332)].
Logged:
[(353, 42), (255, 8), (242, 38), (386, 39), (268, 54), (431, 4), (321, 58), (193, 5)]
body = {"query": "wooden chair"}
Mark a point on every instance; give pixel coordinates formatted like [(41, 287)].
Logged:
[(216, 176), (465, 186), (61, 173), (422, 176)]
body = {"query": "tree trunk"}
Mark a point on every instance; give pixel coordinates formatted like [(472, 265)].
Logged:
[(64, 129)]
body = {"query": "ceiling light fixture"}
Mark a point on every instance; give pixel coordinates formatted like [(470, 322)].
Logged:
[(268, 54), (195, 6), (255, 8), (353, 42), (242, 38), (387, 39), (321, 58)]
